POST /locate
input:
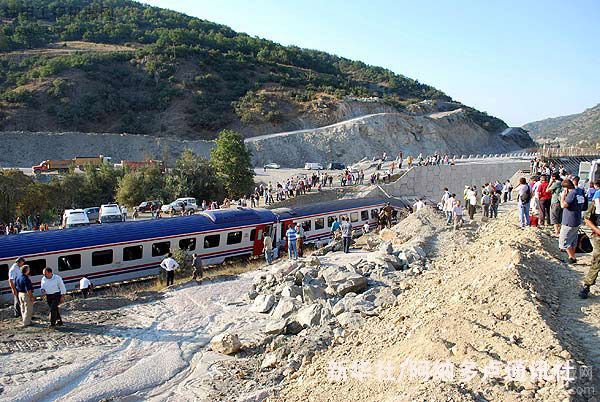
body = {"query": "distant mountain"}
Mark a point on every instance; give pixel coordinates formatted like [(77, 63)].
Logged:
[(121, 66), (576, 129)]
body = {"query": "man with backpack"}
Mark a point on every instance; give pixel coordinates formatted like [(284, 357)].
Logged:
[(523, 198)]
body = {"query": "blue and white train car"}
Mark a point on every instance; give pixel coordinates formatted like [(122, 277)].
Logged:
[(130, 250)]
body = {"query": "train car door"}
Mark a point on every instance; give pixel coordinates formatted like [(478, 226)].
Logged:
[(259, 240)]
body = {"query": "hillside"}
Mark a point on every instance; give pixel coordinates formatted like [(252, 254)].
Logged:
[(120, 66), (576, 129)]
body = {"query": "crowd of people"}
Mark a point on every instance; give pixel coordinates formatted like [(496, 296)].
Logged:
[(554, 199), (30, 223)]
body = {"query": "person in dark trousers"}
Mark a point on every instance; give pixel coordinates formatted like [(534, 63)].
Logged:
[(592, 220), (169, 265), (198, 265), (13, 274), (54, 288), (346, 234)]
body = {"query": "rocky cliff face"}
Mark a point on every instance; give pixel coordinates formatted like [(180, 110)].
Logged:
[(349, 141), (452, 132)]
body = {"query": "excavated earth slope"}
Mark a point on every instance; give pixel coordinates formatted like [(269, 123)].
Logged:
[(495, 318)]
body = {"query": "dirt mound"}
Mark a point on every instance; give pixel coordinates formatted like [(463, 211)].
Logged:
[(482, 324)]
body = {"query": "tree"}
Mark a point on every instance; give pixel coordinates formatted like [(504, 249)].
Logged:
[(232, 163), (141, 185), (13, 186), (193, 176)]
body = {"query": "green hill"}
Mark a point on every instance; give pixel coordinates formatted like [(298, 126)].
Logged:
[(120, 66), (582, 129)]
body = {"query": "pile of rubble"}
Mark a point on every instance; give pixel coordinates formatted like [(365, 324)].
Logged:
[(315, 302)]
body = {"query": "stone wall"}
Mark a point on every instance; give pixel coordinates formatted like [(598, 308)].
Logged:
[(430, 181)]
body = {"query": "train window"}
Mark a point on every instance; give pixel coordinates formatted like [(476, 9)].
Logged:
[(133, 253), (187, 244), (161, 248), (234, 237), (69, 262), (374, 213), (319, 223), (3, 272), (212, 241), (330, 220), (103, 257), (36, 267), (307, 226), (364, 215), (354, 217), (253, 235)]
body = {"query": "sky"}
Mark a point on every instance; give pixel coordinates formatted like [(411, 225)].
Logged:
[(520, 61)]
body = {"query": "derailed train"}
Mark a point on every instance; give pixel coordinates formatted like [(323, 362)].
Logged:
[(130, 250)]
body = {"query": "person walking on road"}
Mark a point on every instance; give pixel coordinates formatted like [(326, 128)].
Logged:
[(54, 288), (291, 237), (457, 214), (346, 234), (198, 266), (169, 265), (592, 220), (25, 291), (13, 274)]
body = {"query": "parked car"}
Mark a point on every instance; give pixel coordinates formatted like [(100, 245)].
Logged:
[(336, 166), (148, 206), (93, 214), (73, 218), (313, 166), (180, 204), (111, 213), (272, 166)]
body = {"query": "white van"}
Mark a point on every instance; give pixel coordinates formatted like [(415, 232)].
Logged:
[(73, 218), (313, 166), (110, 213)]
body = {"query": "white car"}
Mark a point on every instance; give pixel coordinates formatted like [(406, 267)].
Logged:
[(313, 166), (73, 218), (179, 204), (272, 166), (110, 213)]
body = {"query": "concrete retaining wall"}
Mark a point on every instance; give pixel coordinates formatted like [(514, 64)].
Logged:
[(430, 181)]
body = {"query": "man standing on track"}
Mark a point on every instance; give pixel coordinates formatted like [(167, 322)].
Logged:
[(170, 265), (54, 289)]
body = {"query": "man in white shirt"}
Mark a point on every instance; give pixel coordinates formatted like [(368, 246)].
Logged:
[(85, 286), (170, 265), (54, 288), (448, 207), (418, 205), (13, 273)]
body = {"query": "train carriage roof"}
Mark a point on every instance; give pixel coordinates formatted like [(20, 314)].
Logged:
[(55, 240), (335, 206)]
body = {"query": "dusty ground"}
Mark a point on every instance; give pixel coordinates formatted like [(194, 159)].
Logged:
[(498, 309)]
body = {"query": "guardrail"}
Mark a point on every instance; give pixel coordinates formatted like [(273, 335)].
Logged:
[(566, 152)]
